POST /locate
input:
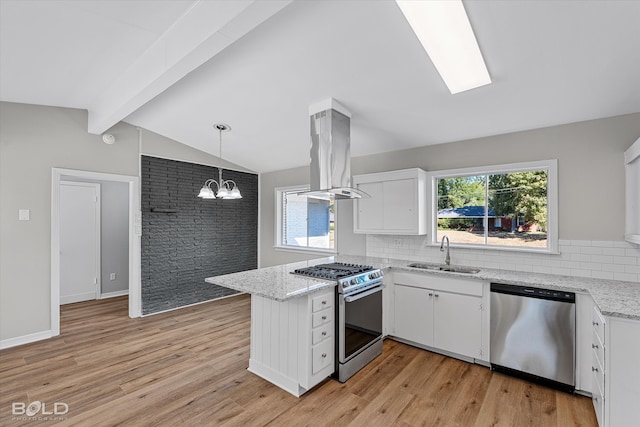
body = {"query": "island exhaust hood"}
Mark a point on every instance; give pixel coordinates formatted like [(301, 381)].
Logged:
[(330, 176)]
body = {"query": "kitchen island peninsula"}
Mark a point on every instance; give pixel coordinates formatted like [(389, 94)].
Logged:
[(293, 321)]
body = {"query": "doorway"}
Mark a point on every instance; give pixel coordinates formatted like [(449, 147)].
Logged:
[(59, 176), (80, 254)]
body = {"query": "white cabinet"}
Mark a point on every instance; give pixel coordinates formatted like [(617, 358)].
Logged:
[(457, 324), (584, 341), (615, 352), (598, 364), (292, 342), (632, 192), (398, 203), (413, 310), (441, 313)]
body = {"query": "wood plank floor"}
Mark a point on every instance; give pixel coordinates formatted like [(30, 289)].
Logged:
[(188, 368)]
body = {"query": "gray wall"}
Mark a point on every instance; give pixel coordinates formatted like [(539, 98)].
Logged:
[(114, 233), (115, 236), (33, 140), (590, 175)]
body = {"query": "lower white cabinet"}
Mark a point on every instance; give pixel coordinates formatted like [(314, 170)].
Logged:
[(584, 342), (441, 313), (616, 375), (293, 341), (413, 310)]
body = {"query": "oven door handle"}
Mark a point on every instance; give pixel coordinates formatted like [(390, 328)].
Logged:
[(356, 297)]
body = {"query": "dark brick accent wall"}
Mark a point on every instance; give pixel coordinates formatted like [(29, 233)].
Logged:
[(194, 238)]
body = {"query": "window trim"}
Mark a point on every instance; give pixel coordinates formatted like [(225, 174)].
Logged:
[(278, 245), (552, 201)]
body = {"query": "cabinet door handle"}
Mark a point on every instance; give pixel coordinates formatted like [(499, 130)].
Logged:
[(324, 333), (594, 346), (437, 295), (595, 323), (324, 355), (594, 369), (324, 317), (430, 294), (324, 302)]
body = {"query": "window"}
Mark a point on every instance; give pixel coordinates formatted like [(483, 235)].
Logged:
[(507, 206), (303, 222)]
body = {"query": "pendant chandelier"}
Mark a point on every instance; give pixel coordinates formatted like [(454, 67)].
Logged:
[(226, 189)]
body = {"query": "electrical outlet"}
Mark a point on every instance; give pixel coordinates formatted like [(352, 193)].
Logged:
[(23, 215), (112, 276)]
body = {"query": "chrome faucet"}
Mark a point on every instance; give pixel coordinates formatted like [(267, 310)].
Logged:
[(447, 258)]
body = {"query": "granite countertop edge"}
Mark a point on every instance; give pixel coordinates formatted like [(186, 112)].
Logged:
[(614, 298)]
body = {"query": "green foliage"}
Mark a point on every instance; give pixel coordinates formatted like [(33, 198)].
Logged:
[(460, 191), (520, 193), (510, 195)]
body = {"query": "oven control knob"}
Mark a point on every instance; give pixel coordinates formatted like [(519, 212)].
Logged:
[(354, 281)]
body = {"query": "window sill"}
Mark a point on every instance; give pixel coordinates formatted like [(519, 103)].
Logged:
[(305, 250), (547, 251)]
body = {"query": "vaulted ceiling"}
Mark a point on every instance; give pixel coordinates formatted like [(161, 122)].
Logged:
[(175, 67)]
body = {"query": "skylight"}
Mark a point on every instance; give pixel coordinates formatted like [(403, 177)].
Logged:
[(444, 30)]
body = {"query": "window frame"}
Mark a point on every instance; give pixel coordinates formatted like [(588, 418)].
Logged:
[(278, 245), (551, 166)]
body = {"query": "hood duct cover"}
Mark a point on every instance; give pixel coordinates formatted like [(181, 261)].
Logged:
[(330, 166)]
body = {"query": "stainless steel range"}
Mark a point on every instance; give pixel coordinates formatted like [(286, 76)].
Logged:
[(358, 313)]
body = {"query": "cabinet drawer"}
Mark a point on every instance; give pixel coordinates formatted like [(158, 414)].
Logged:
[(598, 324), (321, 302), (598, 349), (598, 403), (598, 374), (322, 333), (321, 317), (322, 356)]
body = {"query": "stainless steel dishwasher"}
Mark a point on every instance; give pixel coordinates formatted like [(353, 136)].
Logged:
[(533, 334)]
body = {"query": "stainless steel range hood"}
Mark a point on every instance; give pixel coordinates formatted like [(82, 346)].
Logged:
[(330, 165)]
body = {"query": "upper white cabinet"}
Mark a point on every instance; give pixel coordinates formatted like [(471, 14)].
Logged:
[(632, 171), (398, 203)]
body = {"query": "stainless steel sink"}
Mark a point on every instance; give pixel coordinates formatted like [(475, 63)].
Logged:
[(444, 267)]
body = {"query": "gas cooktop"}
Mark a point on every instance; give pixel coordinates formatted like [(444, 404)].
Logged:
[(352, 276), (333, 271)]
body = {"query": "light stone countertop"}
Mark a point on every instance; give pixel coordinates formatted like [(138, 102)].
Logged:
[(613, 297)]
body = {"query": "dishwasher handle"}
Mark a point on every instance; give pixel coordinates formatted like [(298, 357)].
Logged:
[(534, 292)]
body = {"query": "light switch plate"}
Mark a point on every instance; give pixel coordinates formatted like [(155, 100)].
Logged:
[(23, 215)]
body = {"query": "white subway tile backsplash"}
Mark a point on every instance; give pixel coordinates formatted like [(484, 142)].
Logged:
[(602, 275), (625, 276), (603, 244), (603, 259), (627, 260), (617, 260), (591, 250)]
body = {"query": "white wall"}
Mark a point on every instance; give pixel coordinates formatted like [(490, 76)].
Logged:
[(590, 174)]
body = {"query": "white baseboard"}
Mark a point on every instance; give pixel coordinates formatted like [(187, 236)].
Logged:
[(70, 299), (114, 294), (191, 305), (25, 339)]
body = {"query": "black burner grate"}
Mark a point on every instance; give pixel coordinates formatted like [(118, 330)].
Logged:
[(334, 271)]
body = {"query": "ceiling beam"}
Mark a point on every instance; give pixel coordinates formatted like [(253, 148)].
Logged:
[(205, 30)]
